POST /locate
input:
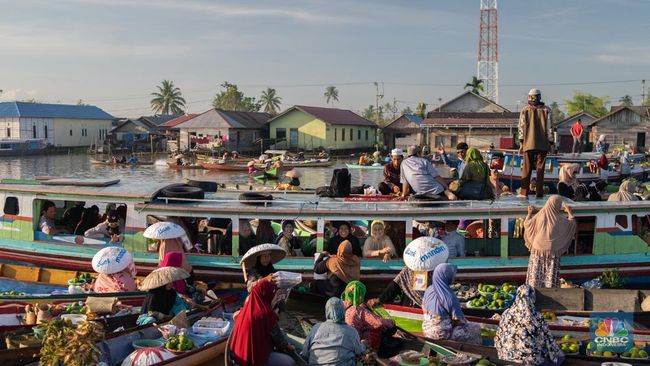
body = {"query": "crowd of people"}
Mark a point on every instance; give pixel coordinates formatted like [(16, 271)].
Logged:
[(84, 221)]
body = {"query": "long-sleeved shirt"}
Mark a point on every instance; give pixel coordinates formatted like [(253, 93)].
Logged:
[(391, 176), (332, 343), (535, 128), (455, 243), (420, 176), (457, 163)]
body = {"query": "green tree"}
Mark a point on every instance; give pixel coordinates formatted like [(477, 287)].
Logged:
[(407, 110), (556, 113), (647, 100), (231, 99), (168, 99), (331, 94), (391, 109), (270, 101), (421, 110), (369, 113), (626, 100), (476, 85), (596, 106)]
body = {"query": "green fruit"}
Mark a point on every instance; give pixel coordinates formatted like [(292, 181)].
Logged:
[(591, 345), (643, 354), (597, 353), (573, 348), (566, 337), (608, 354)]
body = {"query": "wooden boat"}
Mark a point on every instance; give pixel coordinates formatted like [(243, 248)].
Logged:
[(226, 167), (175, 166), (110, 163), (365, 167), (604, 243), (317, 163), (269, 174)]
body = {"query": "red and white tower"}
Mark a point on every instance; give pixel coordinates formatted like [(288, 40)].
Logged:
[(488, 50)]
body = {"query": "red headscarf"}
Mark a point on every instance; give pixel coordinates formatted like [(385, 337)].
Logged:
[(250, 342), (175, 259)]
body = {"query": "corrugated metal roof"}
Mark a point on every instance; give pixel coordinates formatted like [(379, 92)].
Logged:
[(217, 118), (42, 110), (335, 116), (178, 120), (473, 122), (413, 118), (158, 119)]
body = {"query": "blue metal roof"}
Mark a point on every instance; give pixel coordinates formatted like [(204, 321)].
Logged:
[(413, 118), (25, 109)]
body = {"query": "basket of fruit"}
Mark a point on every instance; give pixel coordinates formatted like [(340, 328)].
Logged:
[(478, 303), (508, 288), (487, 289), (635, 353), (179, 344), (569, 345)]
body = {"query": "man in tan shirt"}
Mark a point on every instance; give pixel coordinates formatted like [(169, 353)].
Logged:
[(535, 140)]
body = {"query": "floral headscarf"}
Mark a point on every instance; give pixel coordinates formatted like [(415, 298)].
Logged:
[(355, 293), (523, 335)]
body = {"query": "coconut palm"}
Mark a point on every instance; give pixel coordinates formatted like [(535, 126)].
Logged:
[(331, 94), (626, 100), (270, 101), (421, 110), (476, 85), (168, 99)]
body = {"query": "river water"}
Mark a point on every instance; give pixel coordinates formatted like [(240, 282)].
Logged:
[(79, 166)]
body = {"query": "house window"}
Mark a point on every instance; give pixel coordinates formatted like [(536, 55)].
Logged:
[(11, 206), (454, 141), (335, 135), (8, 131), (70, 132), (358, 134), (366, 135), (34, 131), (351, 134), (45, 131), (343, 134), (280, 133)]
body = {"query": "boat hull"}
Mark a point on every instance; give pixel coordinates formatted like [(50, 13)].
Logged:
[(174, 166), (370, 167)]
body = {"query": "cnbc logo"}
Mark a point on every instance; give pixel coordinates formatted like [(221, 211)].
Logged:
[(611, 332)]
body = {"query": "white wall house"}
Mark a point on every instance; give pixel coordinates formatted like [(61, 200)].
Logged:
[(58, 124)]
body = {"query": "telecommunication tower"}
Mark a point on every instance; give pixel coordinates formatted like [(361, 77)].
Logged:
[(488, 51)]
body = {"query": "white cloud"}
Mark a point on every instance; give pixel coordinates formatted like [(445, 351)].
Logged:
[(624, 55)]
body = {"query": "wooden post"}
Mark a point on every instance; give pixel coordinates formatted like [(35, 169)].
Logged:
[(320, 235)]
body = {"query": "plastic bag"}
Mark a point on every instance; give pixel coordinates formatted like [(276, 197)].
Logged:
[(286, 279), (591, 284)]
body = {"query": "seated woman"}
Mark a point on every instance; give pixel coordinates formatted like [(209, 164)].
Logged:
[(370, 326), (378, 244), (175, 259), (443, 317), (264, 232), (344, 233), (87, 222), (401, 286), (121, 281), (109, 229), (568, 183), (625, 165), (263, 268), (601, 145), (475, 174), (332, 342), (173, 245), (247, 238), (287, 240), (163, 300), (256, 338), (294, 184), (625, 192), (523, 335), (340, 269), (363, 159)]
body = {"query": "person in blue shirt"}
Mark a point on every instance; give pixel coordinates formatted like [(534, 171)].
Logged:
[(132, 159), (459, 162)]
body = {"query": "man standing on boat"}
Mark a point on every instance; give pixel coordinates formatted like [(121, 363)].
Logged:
[(418, 174), (535, 140), (577, 131), (457, 163), (391, 183)]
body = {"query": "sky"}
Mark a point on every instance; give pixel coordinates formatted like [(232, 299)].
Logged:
[(113, 53)]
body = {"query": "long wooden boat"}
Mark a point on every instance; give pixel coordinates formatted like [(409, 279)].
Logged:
[(317, 163), (226, 167), (110, 163), (175, 166), (605, 244), (365, 167)]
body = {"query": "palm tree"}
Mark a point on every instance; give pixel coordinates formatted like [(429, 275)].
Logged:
[(626, 100), (331, 94), (476, 85), (369, 113), (168, 99), (421, 110), (270, 101)]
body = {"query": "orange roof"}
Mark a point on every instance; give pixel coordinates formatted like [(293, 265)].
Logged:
[(178, 120)]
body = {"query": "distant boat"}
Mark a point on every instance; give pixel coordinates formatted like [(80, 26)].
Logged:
[(175, 166), (110, 163), (22, 147), (372, 167)]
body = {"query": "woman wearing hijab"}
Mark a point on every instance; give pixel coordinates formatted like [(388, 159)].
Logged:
[(332, 342), (401, 286), (344, 233), (378, 244), (443, 317), (122, 281), (173, 245), (476, 173), (548, 235), (264, 232), (247, 238), (262, 268), (625, 164), (340, 269), (369, 325), (289, 242), (256, 334), (601, 145), (523, 336), (175, 259), (625, 192), (568, 183)]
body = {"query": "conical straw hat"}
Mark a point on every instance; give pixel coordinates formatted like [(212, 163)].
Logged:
[(276, 251), (163, 276), (164, 230), (111, 260)]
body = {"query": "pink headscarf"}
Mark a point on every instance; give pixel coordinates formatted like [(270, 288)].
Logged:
[(175, 259), (122, 281)]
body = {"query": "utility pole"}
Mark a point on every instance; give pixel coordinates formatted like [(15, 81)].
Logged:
[(439, 104), (377, 98), (642, 92)]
